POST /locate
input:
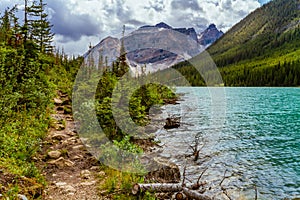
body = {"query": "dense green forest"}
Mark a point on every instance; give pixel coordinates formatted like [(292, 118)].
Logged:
[(261, 50), (31, 71)]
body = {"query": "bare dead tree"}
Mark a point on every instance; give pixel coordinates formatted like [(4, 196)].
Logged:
[(224, 177), (256, 192), (184, 176), (199, 184), (196, 146), (223, 188)]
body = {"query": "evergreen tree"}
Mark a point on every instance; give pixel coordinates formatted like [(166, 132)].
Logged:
[(9, 28), (121, 65), (39, 27)]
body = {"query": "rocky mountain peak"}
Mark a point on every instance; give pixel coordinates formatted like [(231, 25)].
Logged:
[(212, 26), (163, 25), (209, 35)]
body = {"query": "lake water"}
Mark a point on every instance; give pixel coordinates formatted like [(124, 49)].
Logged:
[(251, 133)]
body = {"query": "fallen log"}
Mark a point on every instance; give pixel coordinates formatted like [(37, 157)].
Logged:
[(180, 196), (168, 187), (156, 187), (195, 195)]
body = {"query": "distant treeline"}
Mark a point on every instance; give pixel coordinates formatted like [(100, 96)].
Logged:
[(281, 74)]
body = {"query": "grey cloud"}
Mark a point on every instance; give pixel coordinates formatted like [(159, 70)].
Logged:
[(223, 26), (226, 5), (134, 22), (216, 2), (182, 19), (119, 10), (157, 5), (185, 4), (71, 26), (201, 23), (242, 13), (123, 13)]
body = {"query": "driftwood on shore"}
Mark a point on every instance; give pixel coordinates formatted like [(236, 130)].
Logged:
[(172, 122), (181, 191), (156, 187)]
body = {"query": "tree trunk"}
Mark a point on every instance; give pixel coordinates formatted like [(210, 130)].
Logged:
[(156, 187), (168, 187), (195, 195)]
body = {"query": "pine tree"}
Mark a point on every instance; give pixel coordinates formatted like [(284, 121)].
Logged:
[(5, 28), (122, 67), (25, 26), (9, 27), (39, 27)]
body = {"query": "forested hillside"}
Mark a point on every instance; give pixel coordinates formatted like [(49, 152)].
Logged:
[(261, 50), (31, 70)]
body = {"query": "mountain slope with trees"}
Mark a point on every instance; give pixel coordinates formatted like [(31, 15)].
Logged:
[(261, 50)]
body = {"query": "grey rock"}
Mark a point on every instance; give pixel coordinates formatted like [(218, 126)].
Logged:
[(85, 174), (88, 183), (54, 154), (60, 184), (22, 197), (58, 136), (69, 189), (58, 101)]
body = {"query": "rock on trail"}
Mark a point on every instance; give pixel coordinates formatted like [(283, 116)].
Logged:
[(70, 170)]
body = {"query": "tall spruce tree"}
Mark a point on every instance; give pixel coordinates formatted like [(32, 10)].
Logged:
[(9, 27), (39, 27), (121, 66)]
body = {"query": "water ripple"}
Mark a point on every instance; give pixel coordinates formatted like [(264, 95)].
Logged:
[(258, 143)]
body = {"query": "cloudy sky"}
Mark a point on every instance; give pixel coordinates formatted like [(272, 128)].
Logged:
[(80, 22)]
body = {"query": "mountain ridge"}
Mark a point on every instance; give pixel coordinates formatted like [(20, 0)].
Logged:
[(159, 47), (263, 49)]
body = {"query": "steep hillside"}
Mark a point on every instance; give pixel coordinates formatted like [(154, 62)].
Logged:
[(269, 27), (261, 50)]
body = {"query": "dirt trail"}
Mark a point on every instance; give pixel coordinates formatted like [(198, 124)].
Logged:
[(71, 172)]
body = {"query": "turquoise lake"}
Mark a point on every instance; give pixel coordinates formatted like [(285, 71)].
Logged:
[(252, 134)]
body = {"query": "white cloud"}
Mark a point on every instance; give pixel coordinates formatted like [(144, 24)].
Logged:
[(78, 22)]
